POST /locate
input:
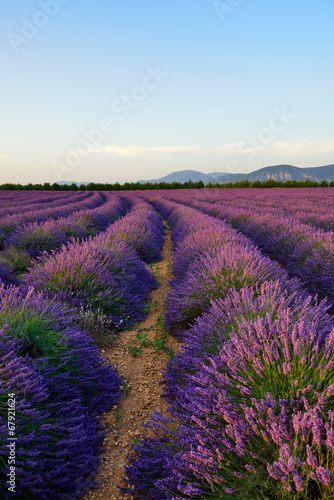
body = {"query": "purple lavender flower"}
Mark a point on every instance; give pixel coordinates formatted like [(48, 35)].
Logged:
[(61, 385)]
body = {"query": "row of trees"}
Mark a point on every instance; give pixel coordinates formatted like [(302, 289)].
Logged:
[(137, 186)]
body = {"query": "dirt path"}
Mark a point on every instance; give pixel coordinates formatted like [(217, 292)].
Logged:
[(140, 363)]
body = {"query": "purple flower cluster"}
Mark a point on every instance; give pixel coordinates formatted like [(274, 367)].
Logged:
[(251, 403), (250, 394), (113, 280), (6, 274), (61, 385)]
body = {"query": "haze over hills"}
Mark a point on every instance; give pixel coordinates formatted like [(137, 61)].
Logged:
[(276, 172)]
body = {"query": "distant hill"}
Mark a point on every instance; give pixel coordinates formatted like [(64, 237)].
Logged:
[(276, 172), (184, 176), (289, 172)]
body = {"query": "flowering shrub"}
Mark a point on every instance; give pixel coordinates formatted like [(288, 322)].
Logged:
[(61, 385), (6, 273), (113, 280), (34, 238), (253, 418), (305, 251), (17, 259), (212, 275)]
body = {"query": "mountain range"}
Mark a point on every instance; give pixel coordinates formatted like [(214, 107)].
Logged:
[(277, 172)]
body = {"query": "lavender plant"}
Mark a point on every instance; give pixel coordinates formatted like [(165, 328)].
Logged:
[(211, 276), (113, 280), (18, 260), (6, 273), (61, 386), (35, 238)]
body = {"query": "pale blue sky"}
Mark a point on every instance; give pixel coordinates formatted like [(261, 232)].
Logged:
[(229, 85)]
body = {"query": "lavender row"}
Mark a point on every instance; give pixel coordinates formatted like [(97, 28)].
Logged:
[(14, 199), (9, 223), (105, 273), (306, 252), (142, 230), (35, 238), (210, 257), (36, 200), (59, 385), (250, 395), (315, 206)]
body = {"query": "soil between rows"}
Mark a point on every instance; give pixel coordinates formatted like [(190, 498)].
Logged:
[(124, 424)]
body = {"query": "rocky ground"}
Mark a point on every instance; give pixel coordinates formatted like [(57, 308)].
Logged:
[(139, 354)]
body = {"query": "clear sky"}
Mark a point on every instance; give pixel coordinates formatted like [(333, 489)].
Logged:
[(126, 90)]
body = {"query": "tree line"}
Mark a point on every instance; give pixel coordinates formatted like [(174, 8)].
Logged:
[(138, 186)]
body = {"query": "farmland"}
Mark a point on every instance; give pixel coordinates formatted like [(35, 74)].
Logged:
[(206, 314)]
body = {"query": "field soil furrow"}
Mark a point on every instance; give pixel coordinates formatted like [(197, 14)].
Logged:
[(140, 359)]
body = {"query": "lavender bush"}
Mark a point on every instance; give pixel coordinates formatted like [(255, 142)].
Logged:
[(10, 223), (34, 238), (61, 385), (253, 418), (6, 272), (17, 259), (113, 280)]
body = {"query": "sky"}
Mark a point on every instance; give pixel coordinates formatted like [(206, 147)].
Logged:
[(126, 90)]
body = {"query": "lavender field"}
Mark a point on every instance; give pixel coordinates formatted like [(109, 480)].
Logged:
[(249, 396)]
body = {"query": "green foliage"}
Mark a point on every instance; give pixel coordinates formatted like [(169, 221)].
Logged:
[(158, 344), (126, 387), (119, 413), (160, 323), (143, 339), (40, 338), (135, 351), (17, 259)]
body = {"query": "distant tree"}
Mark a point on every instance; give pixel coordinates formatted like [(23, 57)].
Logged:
[(270, 183), (255, 184), (324, 183), (199, 185)]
